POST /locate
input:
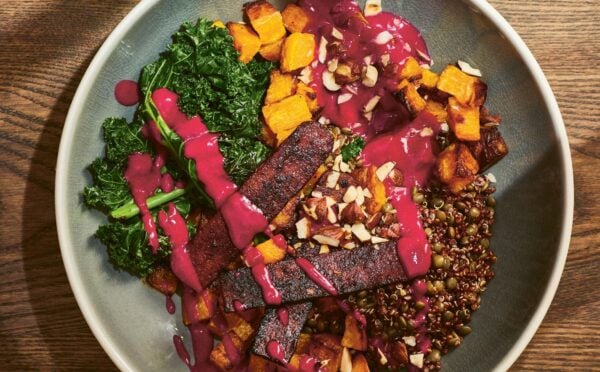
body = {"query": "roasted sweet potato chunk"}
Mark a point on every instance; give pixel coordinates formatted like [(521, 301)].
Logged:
[(408, 94), (429, 79), (327, 347), (163, 280), (286, 218), (457, 167), (411, 70), (271, 252), (438, 110), (295, 18), (367, 178), (260, 364), (219, 357), (490, 148), (298, 51), (271, 52), (285, 116), (460, 85), (245, 40), (464, 120), (281, 86), (204, 309), (266, 21), (359, 363), (310, 95), (355, 336)]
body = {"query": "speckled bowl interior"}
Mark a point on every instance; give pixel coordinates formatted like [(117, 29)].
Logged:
[(534, 191)]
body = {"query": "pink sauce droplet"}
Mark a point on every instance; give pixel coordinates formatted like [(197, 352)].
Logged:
[(313, 274), (283, 315), (307, 363), (175, 228), (143, 176), (127, 92), (355, 313), (261, 275), (275, 351), (170, 305), (244, 220)]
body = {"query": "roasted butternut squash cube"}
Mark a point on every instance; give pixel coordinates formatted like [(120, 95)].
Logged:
[(411, 70), (355, 336), (218, 356), (298, 51), (309, 94), (285, 116), (490, 148), (367, 178), (204, 309), (458, 84), (295, 18), (281, 86), (309, 186), (457, 167), (266, 21), (429, 79), (408, 94), (327, 347), (245, 40), (359, 363), (271, 252), (463, 120), (438, 110), (258, 364), (218, 24), (163, 280), (285, 218), (267, 136), (272, 52)]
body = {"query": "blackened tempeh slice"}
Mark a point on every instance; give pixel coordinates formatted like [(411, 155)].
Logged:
[(270, 187), (349, 271), (271, 329)]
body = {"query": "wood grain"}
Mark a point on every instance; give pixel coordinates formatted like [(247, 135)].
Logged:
[(46, 47)]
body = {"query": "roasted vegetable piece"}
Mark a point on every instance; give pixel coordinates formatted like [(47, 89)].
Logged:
[(245, 40), (355, 335), (309, 95), (438, 110), (260, 364), (468, 90), (367, 178), (163, 280), (298, 51), (359, 363), (407, 92), (218, 24), (266, 21), (285, 116), (295, 18), (490, 148), (457, 167), (327, 347), (411, 70), (463, 120), (281, 86), (286, 218), (271, 52), (429, 79), (219, 357), (302, 346), (271, 252)]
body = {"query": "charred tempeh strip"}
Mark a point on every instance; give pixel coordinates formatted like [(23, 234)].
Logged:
[(271, 329), (275, 182), (349, 271)]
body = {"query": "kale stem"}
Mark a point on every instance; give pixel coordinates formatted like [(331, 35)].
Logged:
[(131, 209)]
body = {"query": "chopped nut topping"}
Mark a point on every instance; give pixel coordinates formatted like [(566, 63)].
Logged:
[(371, 104), (303, 228), (370, 76), (326, 240), (346, 363), (329, 82), (383, 38), (468, 69), (337, 34), (383, 171), (350, 195), (359, 230), (332, 179), (372, 7), (342, 98), (417, 360)]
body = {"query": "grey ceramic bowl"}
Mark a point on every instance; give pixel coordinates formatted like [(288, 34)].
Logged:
[(535, 184)]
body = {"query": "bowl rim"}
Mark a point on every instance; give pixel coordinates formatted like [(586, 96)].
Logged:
[(113, 40)]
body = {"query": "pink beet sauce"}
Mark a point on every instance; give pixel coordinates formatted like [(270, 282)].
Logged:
[(283, 315), (318, 278), (175, 228), (384, 34), (261, 275), (275, 351), (170, 305), (127, 92), (143, 176)]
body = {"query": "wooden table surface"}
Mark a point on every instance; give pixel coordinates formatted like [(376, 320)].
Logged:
[(46, 46)]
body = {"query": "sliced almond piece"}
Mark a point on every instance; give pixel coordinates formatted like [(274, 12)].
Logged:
[(322, 50), (332, 179), (410, 340), (316, 194), (337, 34), (326, 240), (426, 132), (343, 98), (383, 37), (350, 195), (303, 228), (370, 76), (329, 82), (417, 360), (344, 167), (324, 249), (371, 104), (336, 163), (360, 231), (305, 75), (346, 363), (382, 359), (367, 193), (385, 59), (468, 69), (378, 240), (331, 217), (383, 171), (372, 7), (360, 196), (332, 65), (323, 120)]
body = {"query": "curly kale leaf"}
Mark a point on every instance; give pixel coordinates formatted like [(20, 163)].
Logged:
[(110, 190), (127, 243), (353, 148), (202, 67)]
